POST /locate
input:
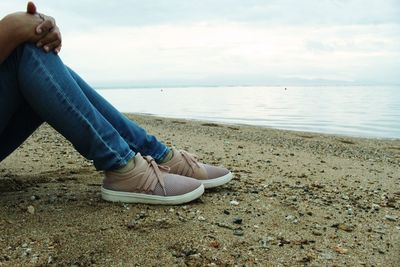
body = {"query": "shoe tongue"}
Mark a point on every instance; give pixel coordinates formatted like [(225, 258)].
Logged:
[(140, 162)]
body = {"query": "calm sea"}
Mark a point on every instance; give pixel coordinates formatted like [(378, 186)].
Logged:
[(352, 110)]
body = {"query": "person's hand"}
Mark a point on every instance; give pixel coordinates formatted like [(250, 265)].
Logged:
[(47, 29), (22, 27)]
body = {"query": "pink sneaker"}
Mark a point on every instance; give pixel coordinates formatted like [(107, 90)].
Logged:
[(186, 164), (149, 183)]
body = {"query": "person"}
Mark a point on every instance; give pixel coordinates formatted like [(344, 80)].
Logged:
[(36, 87)]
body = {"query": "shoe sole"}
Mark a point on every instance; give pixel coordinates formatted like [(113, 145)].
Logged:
[(217, 181), (127, 197)]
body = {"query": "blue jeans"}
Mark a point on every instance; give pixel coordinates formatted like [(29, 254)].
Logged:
[(36, 87)]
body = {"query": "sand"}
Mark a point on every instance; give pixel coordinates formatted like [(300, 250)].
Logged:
[(297, 199)]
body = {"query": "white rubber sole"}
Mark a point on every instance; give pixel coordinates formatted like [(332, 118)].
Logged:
[(217, 181), (127, 197)]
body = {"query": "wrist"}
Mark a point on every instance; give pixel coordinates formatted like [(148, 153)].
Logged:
[(14, 29)]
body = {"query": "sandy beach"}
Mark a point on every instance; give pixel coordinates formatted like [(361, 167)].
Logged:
[(297, 199)]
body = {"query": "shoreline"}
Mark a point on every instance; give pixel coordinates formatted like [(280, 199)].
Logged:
[(266, 127), (297, 198)]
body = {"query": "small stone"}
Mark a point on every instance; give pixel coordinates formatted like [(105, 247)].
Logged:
[(33, 197), (391, 218), (132, 224), (340, 250), (238, 232), (344, 227), (326, 256), (290, 218), (380, 231), (317, 233), (31, 209), (226, 212), (201, 218), (375, 207), (345, 197), (238, 220), (215, 244), (350, 211), (265, 241), (224, 225), (234, 202)]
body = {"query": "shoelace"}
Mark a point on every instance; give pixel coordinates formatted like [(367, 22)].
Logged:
[(190, 159), (156, 169)]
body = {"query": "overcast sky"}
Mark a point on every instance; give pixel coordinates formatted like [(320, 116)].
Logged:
[(228, 42)]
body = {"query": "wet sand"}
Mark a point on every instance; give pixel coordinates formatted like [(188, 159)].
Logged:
[(296, 199)]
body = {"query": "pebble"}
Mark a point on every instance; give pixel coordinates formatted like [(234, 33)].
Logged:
[(317, 233), (391, 218), (350, 211), (238, 220), (234, 202), (264, 242), (341, 250), (31, 209), (238, 232), (226, 212), (375, 207), (290, 217), (201, 218), (345, 197), (326, 256), (344, 227)]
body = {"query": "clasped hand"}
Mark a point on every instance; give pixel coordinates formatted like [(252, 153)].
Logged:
[(34, 27), (47, 29)]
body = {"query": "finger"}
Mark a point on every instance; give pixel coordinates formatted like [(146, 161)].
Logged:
[(31, 8), (58, 48), (49, 38), (45, 26), (52, 46)]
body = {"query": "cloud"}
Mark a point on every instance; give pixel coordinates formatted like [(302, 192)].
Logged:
[(226, 41), (204, 50)]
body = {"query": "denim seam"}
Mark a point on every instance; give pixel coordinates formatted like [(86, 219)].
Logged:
[(80, 115)]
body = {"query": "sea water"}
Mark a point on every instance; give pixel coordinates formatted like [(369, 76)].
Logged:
[(365, 111)]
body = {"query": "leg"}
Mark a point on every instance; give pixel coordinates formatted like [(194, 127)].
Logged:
[(137, 138), (53, 94), (17, 120), (22, 124)]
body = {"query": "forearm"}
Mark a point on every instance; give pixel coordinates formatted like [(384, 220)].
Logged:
[(9, 37)]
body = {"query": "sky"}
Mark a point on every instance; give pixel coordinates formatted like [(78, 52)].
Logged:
[(227, 42)]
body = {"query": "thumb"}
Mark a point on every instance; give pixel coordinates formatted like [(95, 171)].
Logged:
[(31, 8)]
